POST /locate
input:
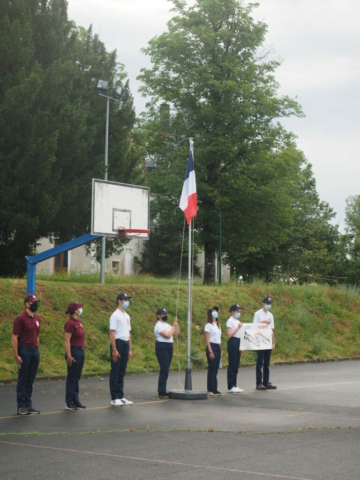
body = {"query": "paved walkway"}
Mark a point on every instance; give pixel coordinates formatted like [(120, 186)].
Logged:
[(306, 429)]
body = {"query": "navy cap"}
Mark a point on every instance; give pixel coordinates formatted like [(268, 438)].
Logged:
[(267, 300), (234, 307), (161, 311), (213, 308), (122, 296)]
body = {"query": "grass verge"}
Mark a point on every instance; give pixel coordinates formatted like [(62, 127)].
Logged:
[(312, 322)]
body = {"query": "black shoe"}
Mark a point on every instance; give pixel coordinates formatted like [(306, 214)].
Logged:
[(79, 406), (32, 411), (216, 392), (22, 411), (260, 387), (163, 394), (70, 407), (270, 386)]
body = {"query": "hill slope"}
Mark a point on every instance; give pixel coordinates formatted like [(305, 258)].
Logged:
[(311, 322)]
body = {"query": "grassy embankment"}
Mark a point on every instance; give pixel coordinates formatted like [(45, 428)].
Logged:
[(311, 322)]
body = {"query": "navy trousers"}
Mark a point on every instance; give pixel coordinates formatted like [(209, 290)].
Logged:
[(118, 369), (263, 357), (233, 346), (26, 374), (74, 375), (164, 354), (213, 366)]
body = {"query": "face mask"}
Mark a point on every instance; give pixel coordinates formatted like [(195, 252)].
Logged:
[(267, 307), (164, 318), (126, 304), (80, 311), (237, 315), (33, 307), (214, 314)]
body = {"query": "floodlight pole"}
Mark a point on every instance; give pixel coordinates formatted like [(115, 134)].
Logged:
[(103, 240)]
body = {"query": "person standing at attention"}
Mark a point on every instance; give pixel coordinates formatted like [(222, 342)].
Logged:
[(233, 326), (120, 349), (213, 349), (74, 356), (164, 347), (25, 345), (263, 356)]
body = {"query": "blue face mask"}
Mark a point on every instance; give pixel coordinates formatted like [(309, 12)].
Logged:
[(126, 304), (267, 307), (237, 315), (214, 314)]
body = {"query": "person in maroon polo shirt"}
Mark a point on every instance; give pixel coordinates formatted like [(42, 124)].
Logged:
[(25, 343), (74, 356)]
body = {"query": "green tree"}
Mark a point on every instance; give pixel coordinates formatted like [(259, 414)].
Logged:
[(222, 93), (52, 127)]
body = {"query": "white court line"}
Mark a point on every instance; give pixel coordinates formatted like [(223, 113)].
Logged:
[(299, 387), (154, 460), (89, 408)]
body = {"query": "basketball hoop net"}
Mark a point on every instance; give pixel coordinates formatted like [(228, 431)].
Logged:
[(131, 232)]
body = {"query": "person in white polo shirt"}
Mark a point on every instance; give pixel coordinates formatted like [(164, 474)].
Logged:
[(120, 349), (263, 356), (233, 326), (164, 347), (213, 349)]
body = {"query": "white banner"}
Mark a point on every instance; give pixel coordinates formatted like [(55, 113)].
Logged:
[(255, 336)]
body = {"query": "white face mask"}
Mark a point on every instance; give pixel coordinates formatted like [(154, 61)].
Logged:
[(80, 311)]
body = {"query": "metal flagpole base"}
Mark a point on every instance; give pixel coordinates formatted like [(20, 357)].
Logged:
[(188, 393)]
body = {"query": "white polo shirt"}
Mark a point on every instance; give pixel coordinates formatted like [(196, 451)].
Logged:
[(215, 332), (233, 323), (260, 315), (160, 327), (120, 322)]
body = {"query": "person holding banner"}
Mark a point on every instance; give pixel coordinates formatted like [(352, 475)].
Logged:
[(164, 347), (213, 349), (263, 356), (233, 326)]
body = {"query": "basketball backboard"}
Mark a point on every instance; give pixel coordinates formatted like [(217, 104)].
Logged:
[(119, 205)]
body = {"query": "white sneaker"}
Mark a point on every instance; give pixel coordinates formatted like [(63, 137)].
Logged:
[(240, 390), (235, 390), (126, 402), (116, 402)]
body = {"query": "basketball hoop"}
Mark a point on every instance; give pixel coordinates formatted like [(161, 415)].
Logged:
[(131, 232)]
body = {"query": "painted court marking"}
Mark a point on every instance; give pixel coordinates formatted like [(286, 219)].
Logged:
[(152, 460), (91, 408)]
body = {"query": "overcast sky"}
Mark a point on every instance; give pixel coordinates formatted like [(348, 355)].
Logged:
[(319, 44)]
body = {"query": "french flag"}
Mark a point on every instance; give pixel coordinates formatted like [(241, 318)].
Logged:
[(188, 200)]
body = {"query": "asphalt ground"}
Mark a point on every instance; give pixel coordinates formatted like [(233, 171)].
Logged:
[(309, 428)]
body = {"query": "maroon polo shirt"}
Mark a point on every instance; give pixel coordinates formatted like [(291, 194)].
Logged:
[(27, 328), (77, 332)]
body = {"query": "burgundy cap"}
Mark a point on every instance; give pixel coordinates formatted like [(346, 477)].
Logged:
[(31, 298), (73, 306)]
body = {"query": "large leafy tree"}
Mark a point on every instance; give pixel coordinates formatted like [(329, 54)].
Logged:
[(222, 91), (52, 127)]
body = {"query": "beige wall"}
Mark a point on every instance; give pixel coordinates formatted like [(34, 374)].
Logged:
[(79, 262)]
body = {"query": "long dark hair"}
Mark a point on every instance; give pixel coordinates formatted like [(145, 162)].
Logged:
[(210, 319)]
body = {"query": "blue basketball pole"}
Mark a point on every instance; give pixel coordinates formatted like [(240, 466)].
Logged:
[(33, 260)]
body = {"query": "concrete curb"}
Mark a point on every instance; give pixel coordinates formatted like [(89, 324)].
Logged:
[(49, 378)]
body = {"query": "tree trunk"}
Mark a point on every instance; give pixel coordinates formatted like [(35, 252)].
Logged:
[(209, 264)]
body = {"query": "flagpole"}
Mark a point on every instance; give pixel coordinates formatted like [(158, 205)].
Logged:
[(188, 393), (188, 382)]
